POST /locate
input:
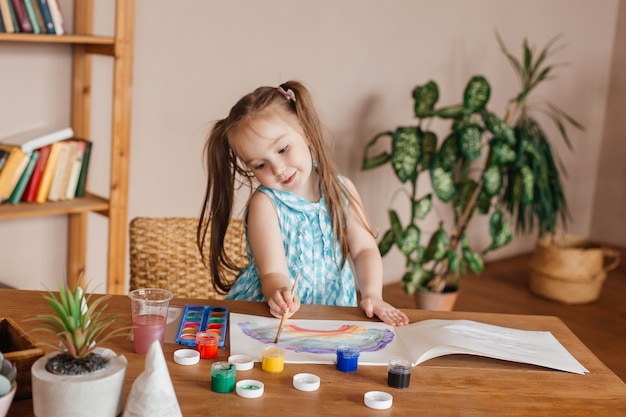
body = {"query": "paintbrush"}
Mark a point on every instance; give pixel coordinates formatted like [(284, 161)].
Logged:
[(282, 320)]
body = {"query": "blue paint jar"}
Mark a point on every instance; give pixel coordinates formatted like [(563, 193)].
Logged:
[(347, 358)]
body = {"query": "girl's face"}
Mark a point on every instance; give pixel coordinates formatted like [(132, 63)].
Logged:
[(276, 152)]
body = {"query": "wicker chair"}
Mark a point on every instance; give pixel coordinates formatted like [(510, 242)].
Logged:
[(164, 254)]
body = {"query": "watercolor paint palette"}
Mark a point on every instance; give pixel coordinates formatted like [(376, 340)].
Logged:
[(196, 318)]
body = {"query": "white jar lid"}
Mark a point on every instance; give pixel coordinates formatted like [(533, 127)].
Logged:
[(249, 388), (378, 400), (242, 362), (306, 382), (186, 356)]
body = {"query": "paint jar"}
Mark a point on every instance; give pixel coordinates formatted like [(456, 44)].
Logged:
[(273, 358), (206, 344), (223, 377), (347, 358), (399, 373)]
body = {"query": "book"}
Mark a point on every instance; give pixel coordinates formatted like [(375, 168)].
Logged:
[(34, 139), (15, 23), (38, 15), (6, 16), (20, 187), (57, 17), (70, 193), (54, 193), (3, 158), (316, 341), (22, 16), (64, 179), (13, 159), (47, 17), (30, 194), (32, 17), (82, 178), (13, 164), (48, 173)]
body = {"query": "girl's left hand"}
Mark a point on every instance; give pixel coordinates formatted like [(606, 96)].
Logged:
[(384, 311)]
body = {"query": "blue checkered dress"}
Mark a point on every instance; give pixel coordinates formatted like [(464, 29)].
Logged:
[(310, 249)]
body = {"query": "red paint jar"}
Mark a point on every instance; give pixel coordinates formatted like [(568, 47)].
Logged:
[(206, 344)]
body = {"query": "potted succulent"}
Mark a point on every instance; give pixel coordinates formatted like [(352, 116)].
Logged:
[(8, 386), (480, 167), (80, 375)]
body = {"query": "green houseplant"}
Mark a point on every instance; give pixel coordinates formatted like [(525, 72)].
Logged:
[(486, 165), (79, 375)]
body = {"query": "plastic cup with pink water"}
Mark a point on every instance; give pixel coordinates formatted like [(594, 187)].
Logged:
[(149, 312)]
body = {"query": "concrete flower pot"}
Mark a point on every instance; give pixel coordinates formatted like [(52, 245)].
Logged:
[(99, 394)]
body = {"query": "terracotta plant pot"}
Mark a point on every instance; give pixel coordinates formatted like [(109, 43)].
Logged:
[(572, 273), (443, 301), (99, 394)]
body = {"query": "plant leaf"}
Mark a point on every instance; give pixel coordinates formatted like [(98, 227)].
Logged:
[(437, 245), (443, 184), (500, 231), (429, 147), (492, 181), (474, 260), (406, 152), (425, 97), (385, 244), (476, 94), (449, 152), (370, 162), (410, 240), (470, 141), (416, 277), (422, 206)]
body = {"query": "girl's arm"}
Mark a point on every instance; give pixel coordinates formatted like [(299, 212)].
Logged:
[(368, 267), (266, 243)]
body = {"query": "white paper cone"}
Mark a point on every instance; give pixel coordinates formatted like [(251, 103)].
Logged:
[(152, 393)]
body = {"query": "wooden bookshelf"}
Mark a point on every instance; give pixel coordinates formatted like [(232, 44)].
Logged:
[(120, 48)]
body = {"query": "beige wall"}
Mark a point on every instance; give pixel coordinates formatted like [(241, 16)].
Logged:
[(609, 214), (360, 59)]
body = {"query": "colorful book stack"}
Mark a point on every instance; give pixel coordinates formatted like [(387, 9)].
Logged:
[(31, 16), (43, 165)]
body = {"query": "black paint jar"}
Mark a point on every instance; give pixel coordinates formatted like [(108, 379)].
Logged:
[(399, 373)]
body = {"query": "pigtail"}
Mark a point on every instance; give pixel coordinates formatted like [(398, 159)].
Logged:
[(217, 206)]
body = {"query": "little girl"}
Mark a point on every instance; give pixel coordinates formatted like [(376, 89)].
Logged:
[(303, 218)]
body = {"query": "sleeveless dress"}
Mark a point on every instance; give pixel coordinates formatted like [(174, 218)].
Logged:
[(311, 249)]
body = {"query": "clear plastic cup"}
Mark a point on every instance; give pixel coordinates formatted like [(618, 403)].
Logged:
[(149, 313)]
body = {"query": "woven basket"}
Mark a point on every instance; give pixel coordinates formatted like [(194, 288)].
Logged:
[(164, 254), (22, 351), (571, 274)]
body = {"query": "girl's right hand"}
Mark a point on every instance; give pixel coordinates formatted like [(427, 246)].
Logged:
[(283, 301)]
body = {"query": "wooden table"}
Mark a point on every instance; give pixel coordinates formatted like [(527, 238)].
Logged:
[(450, 385)]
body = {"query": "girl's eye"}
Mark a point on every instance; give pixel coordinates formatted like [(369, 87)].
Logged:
[(260, 166), (283, 149)]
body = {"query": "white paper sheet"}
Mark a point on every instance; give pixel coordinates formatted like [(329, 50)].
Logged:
[(315, 341)]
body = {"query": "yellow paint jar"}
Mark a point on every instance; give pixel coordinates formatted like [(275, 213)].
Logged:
[(273, 358)]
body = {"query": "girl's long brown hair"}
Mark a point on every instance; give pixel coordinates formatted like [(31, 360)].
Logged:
[(226, 173)]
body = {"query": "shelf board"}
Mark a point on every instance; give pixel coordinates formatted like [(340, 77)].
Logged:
[(65, 39), (77, 205)]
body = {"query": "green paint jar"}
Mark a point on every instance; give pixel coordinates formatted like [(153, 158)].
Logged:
[(223, 377)]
